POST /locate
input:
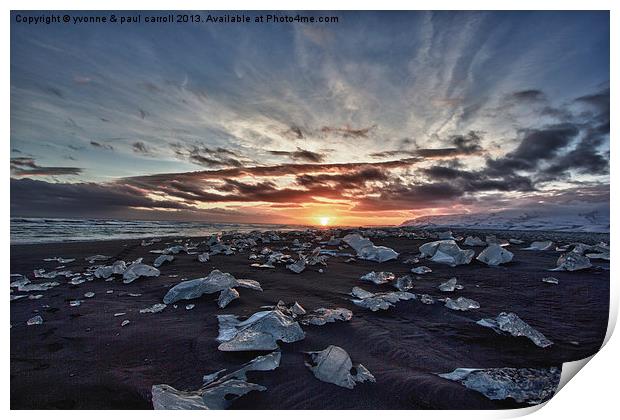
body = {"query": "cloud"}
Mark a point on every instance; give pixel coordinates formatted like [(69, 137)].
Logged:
[(27, 195), (141, 147), (202, 155), (348, 132), (96, 144), (536, 146), (25, 166), (463, 145), (301, 154)]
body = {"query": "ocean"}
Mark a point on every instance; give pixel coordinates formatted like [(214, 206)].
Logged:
[(47, 230)]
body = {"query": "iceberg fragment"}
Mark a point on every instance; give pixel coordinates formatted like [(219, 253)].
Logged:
[(421, 270), (450, 285), (158, 307), (495, 255), (474, 241), (367, 250), (333, 365), (531, 385), (540, 246), (446, 252), (215, 394), (377, 301), (380, 277), (162, 259), (35, 320), (404, 283), (512, 324), (215, 282), (259, 332), (227, 296), (322, 316), (461, 304), (572, 261), (138, 270)]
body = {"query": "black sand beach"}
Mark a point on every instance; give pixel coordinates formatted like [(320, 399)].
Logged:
[(81, 357)]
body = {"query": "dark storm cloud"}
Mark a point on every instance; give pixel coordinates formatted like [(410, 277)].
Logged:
[(536, 146), (269, 171), (25, 166), (28, 194), (202, 155), (529, 95), (98, 145), (475, 181), (349, 180), (141, 147), (348, 132), (301, 154), (462, 145), (410, 196)]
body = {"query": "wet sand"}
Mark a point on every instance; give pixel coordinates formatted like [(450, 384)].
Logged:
[(81, 358)]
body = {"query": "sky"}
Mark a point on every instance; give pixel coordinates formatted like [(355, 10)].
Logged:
[(374, 120)]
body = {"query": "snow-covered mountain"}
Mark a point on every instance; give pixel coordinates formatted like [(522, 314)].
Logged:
[(557, 219)]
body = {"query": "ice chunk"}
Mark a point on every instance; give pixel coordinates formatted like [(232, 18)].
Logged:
[(259, 332), (515, 241), (367, 250), (216, 281), (494, 240), (380, 277), (449, 286), (125, 322), (249, 284), (227, 296), (138, 270), (377, 301), (333, 365), (215, 394), (162, 259), (17, 297), (20, 280), (421, 270), (89, 294), (106, 271), (60, 260), (204, 257), (75, 302), (531, 385), (93, 258), (512, 324), (37, 287), (189, 307), (158, 307), (298, 266), (297, 309), (495, 255), (572, 261), (445, 235), (322, 316), (474, 241), (461, 304), (446, 252), (426, 299), (404, 283), (540, 246), (35, 320), (551, 280)]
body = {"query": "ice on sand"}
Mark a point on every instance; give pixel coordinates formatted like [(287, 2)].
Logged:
[(333, 365)]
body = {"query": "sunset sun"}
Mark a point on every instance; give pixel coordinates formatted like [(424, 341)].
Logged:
[(324, 221)]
